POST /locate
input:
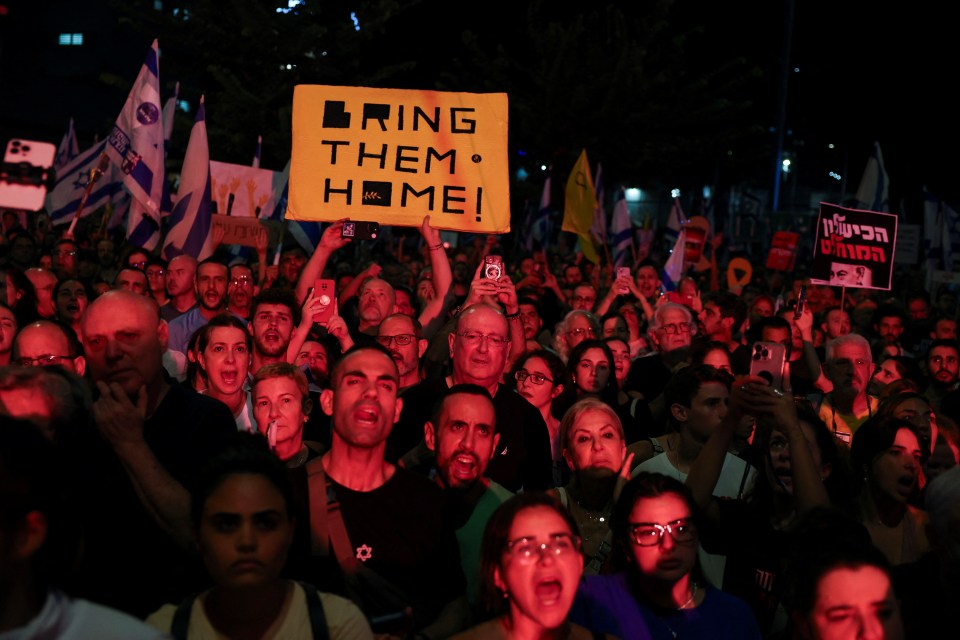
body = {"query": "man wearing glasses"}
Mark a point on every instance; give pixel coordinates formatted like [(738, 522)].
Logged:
[(479, 346), (403, 337), (670, 333), (48, 344), (64, 259)]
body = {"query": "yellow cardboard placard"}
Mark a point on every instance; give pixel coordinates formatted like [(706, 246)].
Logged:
[(396, 155)]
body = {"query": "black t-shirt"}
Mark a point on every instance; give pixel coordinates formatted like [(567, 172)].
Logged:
[(399, 531), (129, 562), (522, 459)]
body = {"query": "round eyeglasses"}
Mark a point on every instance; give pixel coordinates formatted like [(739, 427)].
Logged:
[(650, 534)]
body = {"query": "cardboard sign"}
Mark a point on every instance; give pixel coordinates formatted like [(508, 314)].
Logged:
[(854, 248), (240, 190), (783, 250), (394, 156), (242, 230)]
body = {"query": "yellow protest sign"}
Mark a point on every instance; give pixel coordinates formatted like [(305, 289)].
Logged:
[(396, 155)]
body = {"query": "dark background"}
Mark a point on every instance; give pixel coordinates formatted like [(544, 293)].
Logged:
[(668, 93)]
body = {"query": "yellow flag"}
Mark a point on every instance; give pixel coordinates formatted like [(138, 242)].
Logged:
[(579, 206)]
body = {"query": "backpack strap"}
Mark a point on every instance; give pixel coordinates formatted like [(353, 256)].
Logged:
[(181, 618), (318, 620)]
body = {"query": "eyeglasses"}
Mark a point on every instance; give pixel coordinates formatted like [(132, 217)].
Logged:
[(535, 378), (582, 332), (139, 265), (471, 339), (402, 339), (528, 550), (43, 361), (156, 273), (679, 327), (649, 534)]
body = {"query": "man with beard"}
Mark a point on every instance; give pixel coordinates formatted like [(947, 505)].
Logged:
[(403, 337), (479, 346), (211, 287), (392, 517), (274, 317), (181, 287), (943, 364), (241, 290), (462, 433)]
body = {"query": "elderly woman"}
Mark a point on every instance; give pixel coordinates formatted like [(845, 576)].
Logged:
[(596, 454)]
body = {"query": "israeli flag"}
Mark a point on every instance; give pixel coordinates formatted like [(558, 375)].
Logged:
[(191, 220)]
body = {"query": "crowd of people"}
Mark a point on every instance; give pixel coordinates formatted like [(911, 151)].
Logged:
[(216, 449)]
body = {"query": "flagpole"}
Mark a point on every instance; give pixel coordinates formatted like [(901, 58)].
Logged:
[(95, 174)]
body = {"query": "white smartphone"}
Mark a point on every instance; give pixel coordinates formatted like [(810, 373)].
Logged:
[(26, 172)]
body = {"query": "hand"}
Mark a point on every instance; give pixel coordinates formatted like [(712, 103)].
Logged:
[(262, 240), (331, 240), (119, 420), (697, 303), (337, 327), (805, 324), (310, 307), (431, 236), (270, 275), (481, 290), (507, 294), (623, 476), (372, 271)]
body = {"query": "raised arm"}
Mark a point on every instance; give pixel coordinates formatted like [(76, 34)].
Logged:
[(431, 317), (330, 241)]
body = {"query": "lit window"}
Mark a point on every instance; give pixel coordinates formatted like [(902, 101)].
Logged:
[(70, 39)]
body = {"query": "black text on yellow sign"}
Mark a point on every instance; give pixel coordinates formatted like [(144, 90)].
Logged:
[(397, 155)]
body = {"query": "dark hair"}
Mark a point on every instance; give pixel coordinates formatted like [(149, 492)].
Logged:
[(248, 453), (609, 392), (685, 383), (730, 305), (496, 535), (839, 484), (223, 319), (86, 288), (776, 322), (24, 308), (823, 539), (459, 389), (285, 297), (645, 484), (360, 346), (941, 342), (700, 346), (889, 310), (873, 438)]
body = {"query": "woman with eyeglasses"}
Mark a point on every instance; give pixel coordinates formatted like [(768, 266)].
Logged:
[(659, 591), (530, 565), (539, 379)]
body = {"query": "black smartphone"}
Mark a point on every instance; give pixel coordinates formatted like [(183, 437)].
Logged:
[(801, 300), (360, 230)]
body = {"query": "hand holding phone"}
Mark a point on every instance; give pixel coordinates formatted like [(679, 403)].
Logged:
[(360, 230), (801, 301), (324, 292), (767, 360), (492, 267)]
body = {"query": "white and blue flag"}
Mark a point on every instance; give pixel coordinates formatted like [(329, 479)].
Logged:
[(190, 222), (136, 144), (68, 149), (621, 232), (64, 198)]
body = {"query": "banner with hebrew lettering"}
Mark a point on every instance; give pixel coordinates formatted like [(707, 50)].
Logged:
[(854, 248), (394, 156)]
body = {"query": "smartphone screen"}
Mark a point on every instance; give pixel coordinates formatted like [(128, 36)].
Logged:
[(324, 289)]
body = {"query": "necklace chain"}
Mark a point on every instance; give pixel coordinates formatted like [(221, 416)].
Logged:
[(693, 597)]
